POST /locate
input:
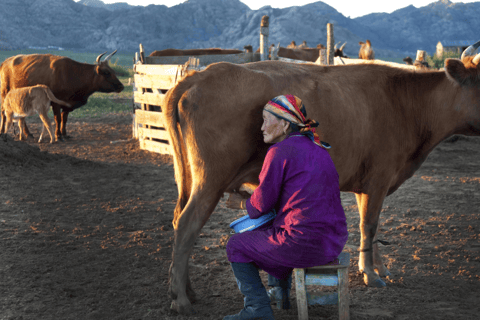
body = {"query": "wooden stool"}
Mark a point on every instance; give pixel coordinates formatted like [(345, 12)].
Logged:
[(332, 274)]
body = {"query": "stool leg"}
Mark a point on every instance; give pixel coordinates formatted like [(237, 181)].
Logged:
[(343, 297), (300, 287)]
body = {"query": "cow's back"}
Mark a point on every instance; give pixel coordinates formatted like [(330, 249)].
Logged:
[(348, 119), (46, 69)]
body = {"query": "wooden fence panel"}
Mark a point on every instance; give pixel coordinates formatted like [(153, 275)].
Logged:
[(155, 81), (203, 59), (155, 99), (150, 118), (157, 147)]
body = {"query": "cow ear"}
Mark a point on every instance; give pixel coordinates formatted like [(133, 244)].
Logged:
[(456, 71)]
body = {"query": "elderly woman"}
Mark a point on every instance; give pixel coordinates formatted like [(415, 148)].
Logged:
[(299, 181)]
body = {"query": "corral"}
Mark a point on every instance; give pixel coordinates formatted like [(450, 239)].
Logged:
[(88, 235)]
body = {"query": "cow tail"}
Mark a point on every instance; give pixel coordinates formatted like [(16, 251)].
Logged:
[(52, 97), (172, 125)]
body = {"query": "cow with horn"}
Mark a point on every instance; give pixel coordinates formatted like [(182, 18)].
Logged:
[(381, 121), (69, 80)]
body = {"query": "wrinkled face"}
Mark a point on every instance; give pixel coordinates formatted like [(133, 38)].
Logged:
[(273, 128)]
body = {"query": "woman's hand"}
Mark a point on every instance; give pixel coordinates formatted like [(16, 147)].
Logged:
[(234, 201)]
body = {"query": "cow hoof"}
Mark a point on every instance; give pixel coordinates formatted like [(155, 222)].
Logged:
[(191, 295), (186, 310), (375, 283), (384, 272), (60, 138)]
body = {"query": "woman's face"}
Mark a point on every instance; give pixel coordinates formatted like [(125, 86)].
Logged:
[(273, 128)]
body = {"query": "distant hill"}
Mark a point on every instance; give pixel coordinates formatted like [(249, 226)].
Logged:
[(95, 26)]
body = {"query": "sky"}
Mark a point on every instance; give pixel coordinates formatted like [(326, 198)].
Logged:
[(349, 8)]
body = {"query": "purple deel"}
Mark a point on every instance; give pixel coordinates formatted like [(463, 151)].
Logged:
[(298, 180)]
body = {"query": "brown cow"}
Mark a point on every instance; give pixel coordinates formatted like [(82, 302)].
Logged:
[(303, 45), (380, 130), (305, 54), (408, 61), (366, 52), (69, 80), (292, 45), (192, 52), (338, 52), (248, 48), (26, 101)]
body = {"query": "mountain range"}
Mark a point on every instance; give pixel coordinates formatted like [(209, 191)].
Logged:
[(92, 25)]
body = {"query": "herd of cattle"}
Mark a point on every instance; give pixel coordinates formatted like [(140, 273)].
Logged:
[(73, 82), (381, 121)]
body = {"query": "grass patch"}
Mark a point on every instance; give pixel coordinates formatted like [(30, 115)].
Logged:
[(97, 107), (439, 62), (123, 59)]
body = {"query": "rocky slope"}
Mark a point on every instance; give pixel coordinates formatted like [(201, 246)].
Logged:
[(94, 25)]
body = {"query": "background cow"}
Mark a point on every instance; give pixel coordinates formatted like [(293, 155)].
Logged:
[(338, 52), (303, 45), (408, 61), (366, 52), (305, 54), (192, 52), (292, 45), (69, 80), (27, 101), (381, 131)]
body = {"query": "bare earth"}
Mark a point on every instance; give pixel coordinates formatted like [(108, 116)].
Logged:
[(85, 233)]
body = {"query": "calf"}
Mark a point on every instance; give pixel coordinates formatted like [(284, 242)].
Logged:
[(366, 52), (23, 102)]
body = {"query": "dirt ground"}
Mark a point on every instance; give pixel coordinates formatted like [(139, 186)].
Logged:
[(85, 233)]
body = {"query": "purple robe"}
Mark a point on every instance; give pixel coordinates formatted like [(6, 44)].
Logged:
[(298, 180)]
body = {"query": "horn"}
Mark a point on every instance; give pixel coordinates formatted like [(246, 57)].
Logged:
[(476, 60), (99, 57), (109, 56), (336, 44), (470, 50), (343, 46)]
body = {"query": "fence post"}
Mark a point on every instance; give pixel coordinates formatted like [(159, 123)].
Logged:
[(142, 54), (264, 39), (421, 55), (330, 44), (322, 57)]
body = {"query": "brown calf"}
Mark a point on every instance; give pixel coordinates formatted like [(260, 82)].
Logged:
[(366, 52), (23, 102)]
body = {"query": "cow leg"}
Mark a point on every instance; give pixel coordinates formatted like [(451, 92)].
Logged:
[(24, 129), (369, 206), (187, 226), (8, 121), (21, 127), (58, 121), (46, 125), (378, 264), (2, 126), (64, 124)]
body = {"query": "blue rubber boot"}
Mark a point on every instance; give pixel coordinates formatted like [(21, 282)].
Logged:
[(256, 301), (280, 293)]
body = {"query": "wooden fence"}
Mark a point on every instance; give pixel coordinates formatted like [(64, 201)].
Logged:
[(153, 77)]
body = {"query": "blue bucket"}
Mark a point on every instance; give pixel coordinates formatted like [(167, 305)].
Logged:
[(246, 224)]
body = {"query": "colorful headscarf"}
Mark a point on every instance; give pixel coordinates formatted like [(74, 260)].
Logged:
[(292, 109)]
